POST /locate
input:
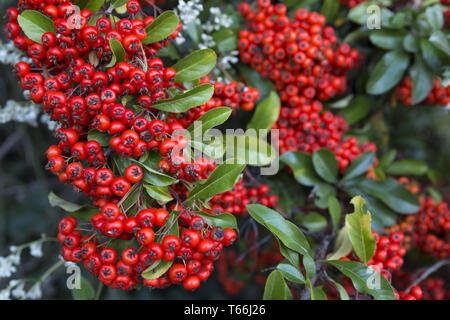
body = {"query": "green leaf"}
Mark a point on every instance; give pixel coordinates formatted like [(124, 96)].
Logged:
[(157, 269), (407, 167), (317, 293), (161, 27), (358, 14), (335, 210), (183, 102), (411, 43), (84, 212), (343, 245), (357, 110), (153, 176), (359, 166), (440, 41), (387, 72), (212, 118), (266, 113), (222, 179), (330, 9), (225, 39), (101, 137), (359, 230), (313, 221), (86, 291), (310, 266), (323, 191), (160, 194), (288, 233), (387, 39), (119, 3), (276, 288), (325, 164), (195, 65), (224, 220), (302, 166), (387, 158), (291, 273), (249, 149), (434, 17), (365, 279), (433, 57), (34, 24), (289, 254), (119, 54), (95, 5), (422, 78), (394, 195)]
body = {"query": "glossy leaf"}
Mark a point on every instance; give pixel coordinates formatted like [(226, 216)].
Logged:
[(266, 113), (343, 245), (357, 110), (84, 212), (387, 72), (359, 166), (101, 137), (325, 164), (422, 77), (162, 27), (85, 292), (334, 209), (222, 179), (365, 279), (212, 118), (387, 39), (183, 102), (359, 230), (249, 149), (34, 24), (394, 195), (286, 231), (159, 193), (224, 220), (291, 273), (276, 288), (195, 65), (119, 54), (302, 166), (407, 167)]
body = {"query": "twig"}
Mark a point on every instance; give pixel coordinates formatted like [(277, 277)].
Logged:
[(427, 272), (255, 246)]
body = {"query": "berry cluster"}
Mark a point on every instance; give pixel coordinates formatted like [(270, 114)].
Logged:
[(73, 75), (389, 252), (429, 230), (303, 60), (437, 96), (235, 95), (235, 200), (298, 55), (192, 253), (432, 288)]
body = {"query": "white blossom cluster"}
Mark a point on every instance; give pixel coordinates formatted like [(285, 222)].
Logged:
[(8, 266), (9, 54), (25, 112), (189, 12), (218, 20)]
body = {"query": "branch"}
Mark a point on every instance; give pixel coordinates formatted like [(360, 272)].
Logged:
[(427, 272)]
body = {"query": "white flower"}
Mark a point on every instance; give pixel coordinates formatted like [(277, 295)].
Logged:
[(35, 292), (7, 267), (36, 249), (18, 291), (4, 294)]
